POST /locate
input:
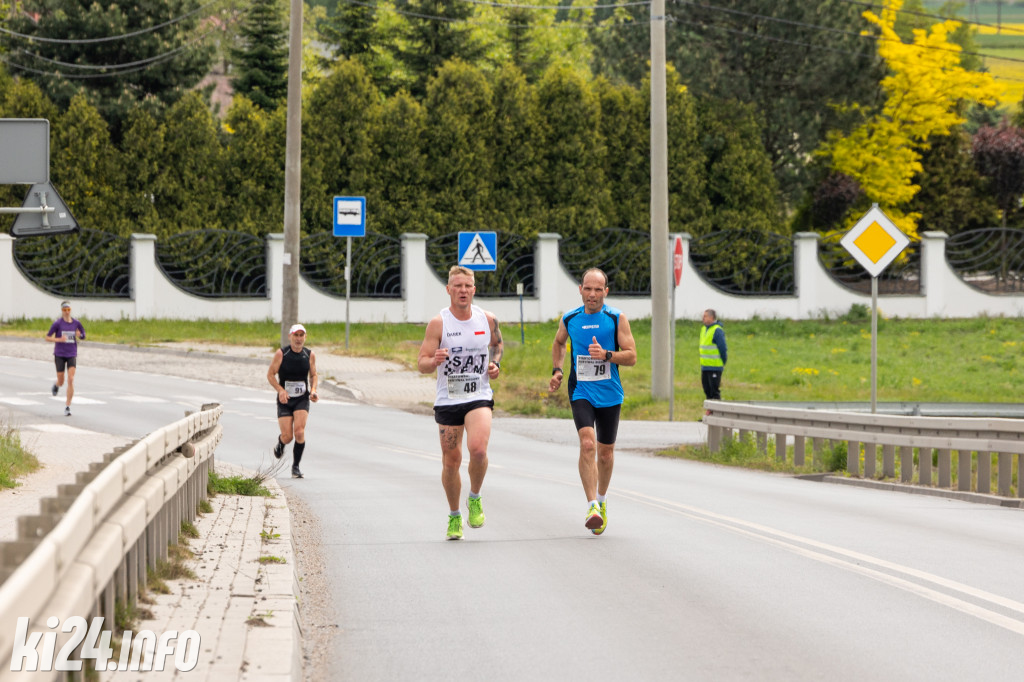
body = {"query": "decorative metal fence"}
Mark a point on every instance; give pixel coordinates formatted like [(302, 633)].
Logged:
[(624, 255), (903, 276), (376, 264), (84, 263), (514, 264), (990, 259), (215, 263), (746, 262)]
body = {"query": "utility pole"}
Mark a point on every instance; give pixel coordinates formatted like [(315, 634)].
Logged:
[(292, 175), (661, 382)]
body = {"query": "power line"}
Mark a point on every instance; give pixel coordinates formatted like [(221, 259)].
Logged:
[(875, 6), (568, 23), (643, 3), (127, 65), (123, 36)]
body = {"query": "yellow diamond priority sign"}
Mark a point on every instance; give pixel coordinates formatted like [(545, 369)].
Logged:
[(875, 241)]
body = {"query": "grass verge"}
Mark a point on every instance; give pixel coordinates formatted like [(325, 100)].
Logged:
[(15, 460)]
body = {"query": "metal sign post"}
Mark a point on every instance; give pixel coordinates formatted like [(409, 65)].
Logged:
[(349, 221), (522, 332), (677, 273), (25, 160), (875, 242)]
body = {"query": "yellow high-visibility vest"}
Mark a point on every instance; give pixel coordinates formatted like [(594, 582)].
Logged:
[(709, 355)]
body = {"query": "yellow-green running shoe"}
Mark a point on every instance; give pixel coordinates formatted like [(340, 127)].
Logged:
[(476, 512), (603, 506), (455, 527), (594, 519)]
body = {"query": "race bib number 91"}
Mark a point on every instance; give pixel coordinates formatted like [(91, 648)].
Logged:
[(294, 388)]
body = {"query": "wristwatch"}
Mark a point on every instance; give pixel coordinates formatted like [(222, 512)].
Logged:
[(555, 369), (608, 355)]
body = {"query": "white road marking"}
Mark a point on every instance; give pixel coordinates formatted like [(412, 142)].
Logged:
[(855, 562), (60, 428), (18, 401), (140, 399)]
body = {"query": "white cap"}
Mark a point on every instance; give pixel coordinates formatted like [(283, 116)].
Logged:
[(296, 328)]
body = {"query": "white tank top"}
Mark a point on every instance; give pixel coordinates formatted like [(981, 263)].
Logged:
[(463, 376)]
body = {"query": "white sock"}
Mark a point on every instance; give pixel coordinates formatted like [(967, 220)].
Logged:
[(474, 496), (601, 498), (593, 503), (455, 513)]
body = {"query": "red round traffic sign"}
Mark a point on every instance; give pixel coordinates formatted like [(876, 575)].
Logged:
[(677, 260)]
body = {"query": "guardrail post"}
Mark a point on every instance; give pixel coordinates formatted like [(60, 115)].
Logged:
[(816, 447), (762, 443), (780, 447), (1004, 462), (963, 474), (945, 468), (798, 450), (924, 466), (853, 457), (714, 438), (906, 464), (870, 459), (888, 461), (985, 472)]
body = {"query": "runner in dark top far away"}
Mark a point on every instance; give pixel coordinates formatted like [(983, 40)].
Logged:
[(293, 375)]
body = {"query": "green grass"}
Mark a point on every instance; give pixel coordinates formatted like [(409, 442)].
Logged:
[(236, 485), (15, 460), (967, 360)]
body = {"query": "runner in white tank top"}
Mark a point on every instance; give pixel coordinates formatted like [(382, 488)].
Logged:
[(463, 345)]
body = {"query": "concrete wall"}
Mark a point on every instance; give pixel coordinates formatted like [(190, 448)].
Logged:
[(943, 293)]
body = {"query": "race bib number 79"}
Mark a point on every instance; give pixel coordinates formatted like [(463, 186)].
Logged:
[(592, 369)]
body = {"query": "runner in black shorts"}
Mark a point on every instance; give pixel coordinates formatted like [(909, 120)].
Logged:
[(293, 375), (463, 346), (601, 342)]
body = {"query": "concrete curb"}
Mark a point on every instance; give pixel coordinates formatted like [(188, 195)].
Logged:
[(962, 495)]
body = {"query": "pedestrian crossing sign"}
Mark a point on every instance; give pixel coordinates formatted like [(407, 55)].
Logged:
[(478, 250)]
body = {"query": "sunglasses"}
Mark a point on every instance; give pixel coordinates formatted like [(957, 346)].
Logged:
[(300, 333)]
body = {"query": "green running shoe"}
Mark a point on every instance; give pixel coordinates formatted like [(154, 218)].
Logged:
[(455, 527), (603, 506), (476, 512), (594, 519)]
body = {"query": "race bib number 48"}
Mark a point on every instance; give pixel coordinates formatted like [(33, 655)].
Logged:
[(464, 385), (592, 369)]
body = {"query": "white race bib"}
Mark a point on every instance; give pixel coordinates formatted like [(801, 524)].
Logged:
[(294, 388), (592, 369), (69, 337), (464, 385)]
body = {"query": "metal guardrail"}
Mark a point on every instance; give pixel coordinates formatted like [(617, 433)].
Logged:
[(91, 546), (919, 440)]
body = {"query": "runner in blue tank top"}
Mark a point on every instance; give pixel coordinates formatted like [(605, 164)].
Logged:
[(600, 341)]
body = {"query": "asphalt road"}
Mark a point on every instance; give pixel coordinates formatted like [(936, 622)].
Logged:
[(704, 573)]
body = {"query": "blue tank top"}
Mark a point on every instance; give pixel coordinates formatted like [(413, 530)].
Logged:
[(593, 380)]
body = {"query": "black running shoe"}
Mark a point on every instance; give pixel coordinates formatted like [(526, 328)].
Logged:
[(54, 389), (279, 450), (296, 473)]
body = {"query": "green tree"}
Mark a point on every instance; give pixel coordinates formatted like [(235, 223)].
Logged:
[(740, 186), (627, 168), (253, 174), (953, 196), (261, 60), (85, 167), (460, 164), (792, 62), (689, 209), (926, 92), (190, 190), (397, 174), (112, 53), (337, 151), (354, 31), (437, 33), (573, 186), (999, 156), (142, 151), (513, 140)]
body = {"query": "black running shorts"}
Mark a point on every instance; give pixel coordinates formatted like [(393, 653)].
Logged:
[(455, 415), (293, 405), (64, 362), (604, 420)]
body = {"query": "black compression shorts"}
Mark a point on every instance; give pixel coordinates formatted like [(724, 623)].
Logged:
[(293, 405), (64, 362), (604, 420), (455, 415)]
